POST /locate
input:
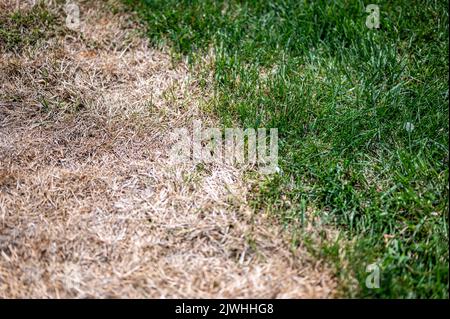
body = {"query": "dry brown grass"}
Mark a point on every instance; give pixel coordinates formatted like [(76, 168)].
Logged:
[(91, 206)]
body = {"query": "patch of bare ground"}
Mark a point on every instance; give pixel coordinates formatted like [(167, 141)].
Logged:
[(90, 205)]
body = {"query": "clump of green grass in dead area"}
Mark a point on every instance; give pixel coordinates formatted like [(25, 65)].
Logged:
[(341, 96), (25, 28)]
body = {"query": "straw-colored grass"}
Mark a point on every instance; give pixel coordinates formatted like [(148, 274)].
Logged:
[(91, 206)]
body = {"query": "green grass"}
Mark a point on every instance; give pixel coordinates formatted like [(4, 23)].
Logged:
[(340, 95), (22, 29)]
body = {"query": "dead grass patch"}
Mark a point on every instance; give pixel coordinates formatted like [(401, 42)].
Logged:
[(90, 205)]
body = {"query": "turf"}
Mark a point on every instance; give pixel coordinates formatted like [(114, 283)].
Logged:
[(343, 97), (25, 29)]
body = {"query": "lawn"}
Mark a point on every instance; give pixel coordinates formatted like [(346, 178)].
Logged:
[(362, 116)]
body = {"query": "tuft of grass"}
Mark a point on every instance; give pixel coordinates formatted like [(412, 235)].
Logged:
[(20, 29), (341, 96)]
